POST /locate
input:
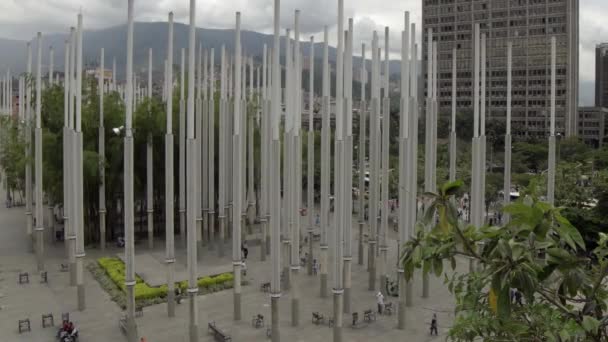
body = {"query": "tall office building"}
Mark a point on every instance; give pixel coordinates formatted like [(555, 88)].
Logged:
[(529, 24), (601, 75)]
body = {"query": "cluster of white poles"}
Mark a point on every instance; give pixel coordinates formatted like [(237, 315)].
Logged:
[(280, 193)]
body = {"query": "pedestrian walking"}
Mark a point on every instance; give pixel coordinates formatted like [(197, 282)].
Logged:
[(434, 325), (244, 249), (380, 301), (317, 220), (315, 267)]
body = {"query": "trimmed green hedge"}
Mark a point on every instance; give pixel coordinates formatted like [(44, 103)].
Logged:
[(115, 269)]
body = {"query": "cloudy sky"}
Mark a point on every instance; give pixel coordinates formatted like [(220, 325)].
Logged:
[(21, 19)]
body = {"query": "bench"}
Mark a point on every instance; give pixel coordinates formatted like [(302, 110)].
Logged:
[(316, 237), (139, 311), (217, 333), (257, 321), (64, 268), (24, 278), (388, 309), (330, 322), (369, 315), (44, 278), (265, 287), (317, 318), (47, 320), (24, 325)]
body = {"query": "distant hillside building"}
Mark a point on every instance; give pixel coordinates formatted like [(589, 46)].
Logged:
[(529, 24), (601, 75)]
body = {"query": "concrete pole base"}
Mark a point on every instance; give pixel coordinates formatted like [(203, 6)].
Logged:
[(286, 277), (221, 242), (150, 231), (211, 218), (383, 282), (372, 278), (72, 268), (310, 254), (274, 313), (347, 292), (102, 232), (409, 301), (361, 250), (237, 306), (401, 315), (193, 324), (323, 285), (425, 286), (171, 303), (295, 312), (263, 241), (132, 334), (80, 294), (199, 250), (268, 245), (40, 250), (337, 317)]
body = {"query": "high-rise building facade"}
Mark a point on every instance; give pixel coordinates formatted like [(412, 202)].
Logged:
[(529, 24), (601, 75)]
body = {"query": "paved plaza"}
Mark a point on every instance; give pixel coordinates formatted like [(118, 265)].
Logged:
[(99, 322)]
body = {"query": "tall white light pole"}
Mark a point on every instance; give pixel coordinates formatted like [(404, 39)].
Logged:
[(348, 165), (182, 151), (79, 181), (237, 175), (211, 148), (66, 151), (264, 160), (128, 184), (102, 156), (28, 148), (412, 153), (38, 160), (374, 131), (482, 133), (362, 155), (72, 221), (191, 163), (339, 183), (224, 110), (551, 173), (404, 125), (310, 154), (149, 162), (507, 182), (325, 168), (452, 175), (382, 265), (169, 181), (274, 185)]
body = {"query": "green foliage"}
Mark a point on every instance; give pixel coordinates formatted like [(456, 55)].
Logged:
[(115, 270), (563, 291)]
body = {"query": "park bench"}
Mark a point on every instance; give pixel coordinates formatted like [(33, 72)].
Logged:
[(217, 333), (388, 309), (369, 315), (316, 237), (139, 311), (317, 318), (330, 322), (265, 287), (47, 320), (24, 325), (257, 321), (24, 278), (44, 277), (64, 268)]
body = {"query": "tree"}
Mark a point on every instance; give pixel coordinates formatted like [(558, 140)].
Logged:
[(563, 292)]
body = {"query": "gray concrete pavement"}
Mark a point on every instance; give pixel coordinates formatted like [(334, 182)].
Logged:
[(100, 320)]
